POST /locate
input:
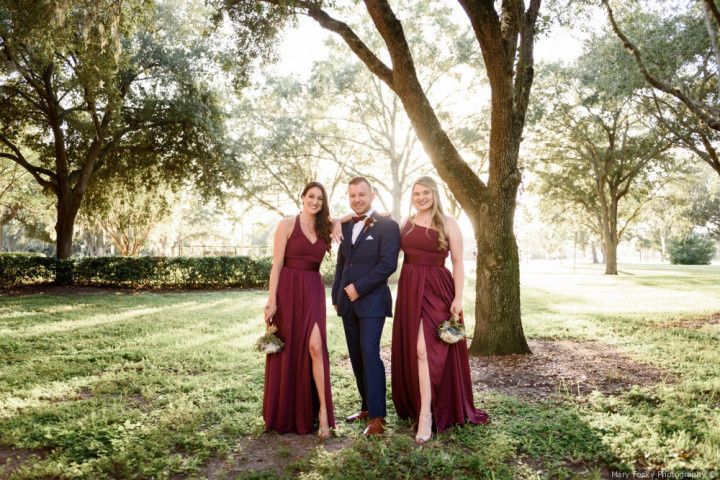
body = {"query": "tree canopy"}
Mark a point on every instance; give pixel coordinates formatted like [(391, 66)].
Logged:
[(88, 88)]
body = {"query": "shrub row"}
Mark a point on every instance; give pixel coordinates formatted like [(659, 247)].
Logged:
[(147, 272), (19, 268), (691, 250)]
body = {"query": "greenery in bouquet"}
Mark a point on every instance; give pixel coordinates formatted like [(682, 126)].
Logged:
[(269, 343), (451, 331)]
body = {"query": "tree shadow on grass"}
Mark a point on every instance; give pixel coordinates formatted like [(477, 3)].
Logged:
[(688, 283), (537, 300), (675, 277)]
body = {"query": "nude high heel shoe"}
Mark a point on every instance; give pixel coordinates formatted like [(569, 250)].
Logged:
[(423, 419), (326, 432)]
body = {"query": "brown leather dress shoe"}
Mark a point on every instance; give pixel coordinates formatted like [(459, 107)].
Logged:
[(362, 415), (374, 427)]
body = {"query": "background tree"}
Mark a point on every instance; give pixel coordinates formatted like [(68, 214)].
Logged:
[(667, 214), (125, 209), (383, 145), (598, 151), (704, 210), (194, 227), (565, 223), (281, 131), (11, 176), (693, 249), (674, 47), (23, 210), (86, 86)]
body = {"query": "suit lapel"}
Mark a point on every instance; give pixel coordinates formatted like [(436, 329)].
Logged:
[(347, 238)]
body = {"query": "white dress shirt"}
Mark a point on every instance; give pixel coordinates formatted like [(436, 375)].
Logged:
[(357, 228)]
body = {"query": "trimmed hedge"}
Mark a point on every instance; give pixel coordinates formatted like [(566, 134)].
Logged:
[(146, 272), (19, 268)]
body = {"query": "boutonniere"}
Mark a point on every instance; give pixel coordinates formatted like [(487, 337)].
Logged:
[(369, 222)]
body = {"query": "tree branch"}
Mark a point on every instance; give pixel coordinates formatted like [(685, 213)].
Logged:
[(373, 63), (627, 222), (34, 170), (695, 107), (713, 8), (485, 23), (403, 80), (525, 71)]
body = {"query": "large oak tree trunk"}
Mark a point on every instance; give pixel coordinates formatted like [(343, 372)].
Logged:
[(497, 300), (499, 328)]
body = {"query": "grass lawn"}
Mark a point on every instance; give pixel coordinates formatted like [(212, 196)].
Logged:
[(167, 385)]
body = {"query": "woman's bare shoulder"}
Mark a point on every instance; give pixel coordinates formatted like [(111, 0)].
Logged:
[(286, 224)]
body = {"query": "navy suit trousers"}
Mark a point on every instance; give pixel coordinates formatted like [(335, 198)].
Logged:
[(363, 341)]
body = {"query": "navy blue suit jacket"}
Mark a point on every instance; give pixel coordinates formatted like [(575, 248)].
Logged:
[(367, 264)]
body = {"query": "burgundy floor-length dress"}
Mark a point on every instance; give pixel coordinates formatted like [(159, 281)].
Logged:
[(290, 403), (425, 293)]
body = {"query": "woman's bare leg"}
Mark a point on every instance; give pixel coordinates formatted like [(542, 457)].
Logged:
[(318, 371), (424, 430)]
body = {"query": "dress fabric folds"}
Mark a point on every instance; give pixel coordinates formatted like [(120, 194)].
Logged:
[(290, 401), (425, 293)]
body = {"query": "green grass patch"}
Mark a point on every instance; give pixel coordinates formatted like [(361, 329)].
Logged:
[(154, 385)]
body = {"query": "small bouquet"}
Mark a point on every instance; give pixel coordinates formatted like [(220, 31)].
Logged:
[(451, 330), (269, 343)]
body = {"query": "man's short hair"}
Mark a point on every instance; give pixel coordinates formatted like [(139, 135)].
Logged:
[(357, 180)]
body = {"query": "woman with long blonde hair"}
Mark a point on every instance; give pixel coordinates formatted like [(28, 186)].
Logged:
[(430, 378)]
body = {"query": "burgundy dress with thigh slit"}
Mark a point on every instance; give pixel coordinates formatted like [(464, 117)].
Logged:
[(290, 402), (425, 293)]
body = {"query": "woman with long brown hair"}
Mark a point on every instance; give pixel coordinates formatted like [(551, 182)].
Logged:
[(297, 379), (430, 378)]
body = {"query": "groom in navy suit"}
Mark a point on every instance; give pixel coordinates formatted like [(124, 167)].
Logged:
[(367, 257)]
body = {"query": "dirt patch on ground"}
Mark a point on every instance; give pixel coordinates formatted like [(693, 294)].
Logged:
[(13, 458), (563, 367), (557, 368), (695, 323), (270, 453)]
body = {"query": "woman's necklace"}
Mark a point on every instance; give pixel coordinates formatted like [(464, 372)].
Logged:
[(423, 222), (308, 228)]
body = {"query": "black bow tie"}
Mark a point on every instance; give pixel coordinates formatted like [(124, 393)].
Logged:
[(359, 218)]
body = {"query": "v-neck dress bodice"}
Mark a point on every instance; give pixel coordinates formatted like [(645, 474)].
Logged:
[(301, 253)]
